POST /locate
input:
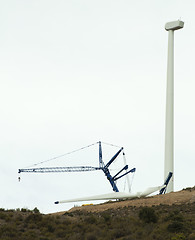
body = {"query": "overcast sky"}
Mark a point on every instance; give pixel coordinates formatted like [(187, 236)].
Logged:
[(76, 72)]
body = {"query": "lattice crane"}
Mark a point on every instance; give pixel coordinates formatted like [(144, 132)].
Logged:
[(104, 167)]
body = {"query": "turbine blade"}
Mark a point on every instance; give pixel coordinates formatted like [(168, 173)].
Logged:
[(114, 195), (150, 190)]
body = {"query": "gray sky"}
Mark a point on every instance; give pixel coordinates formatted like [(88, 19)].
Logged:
[(76, 72)]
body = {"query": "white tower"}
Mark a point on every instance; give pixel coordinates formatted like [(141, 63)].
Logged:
[(169, 128)]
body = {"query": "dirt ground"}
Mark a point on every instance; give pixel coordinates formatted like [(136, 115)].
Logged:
[(181, 197)]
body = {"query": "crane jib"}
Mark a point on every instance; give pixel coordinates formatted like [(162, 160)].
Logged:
[(59, 169)]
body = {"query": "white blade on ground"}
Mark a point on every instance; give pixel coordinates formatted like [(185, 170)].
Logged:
[(114, 195), (150, 190)]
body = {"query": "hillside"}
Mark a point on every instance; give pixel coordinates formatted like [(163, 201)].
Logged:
[(171, 216), (178, 198)]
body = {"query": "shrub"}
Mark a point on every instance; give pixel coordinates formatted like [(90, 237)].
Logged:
[(3, 215), (191, 236), (36, 210), (25, 210), (106, 217), (91, 236), (175, 216), (50, 228), (179, 236), (176, 227), (34, 218), (8, 231), (91, 219), (148, 215)]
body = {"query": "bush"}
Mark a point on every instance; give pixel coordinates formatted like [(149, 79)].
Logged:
[(91, 219), (35, 210), (148, 215), (3, 215), (25, 210), (175, 216), (106, 217), (179, 236), (34, 218), (8, 231), (176, 227), (91, 236)]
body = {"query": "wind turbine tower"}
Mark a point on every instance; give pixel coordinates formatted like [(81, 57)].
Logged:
[(169, 124)]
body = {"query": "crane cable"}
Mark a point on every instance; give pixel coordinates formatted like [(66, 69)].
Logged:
[(68, 153), (111, 144), (62, 155)]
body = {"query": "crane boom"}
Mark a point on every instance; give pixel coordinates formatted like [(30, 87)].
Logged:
[(102, 166), (59, 169)]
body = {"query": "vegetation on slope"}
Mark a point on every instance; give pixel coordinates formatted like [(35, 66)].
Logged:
[(128, 223), (175, 222)]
